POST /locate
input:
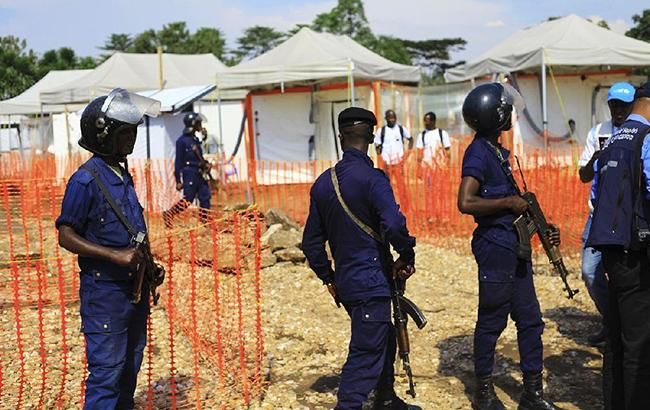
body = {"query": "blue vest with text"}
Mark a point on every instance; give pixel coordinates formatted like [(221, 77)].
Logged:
[(620, 207)]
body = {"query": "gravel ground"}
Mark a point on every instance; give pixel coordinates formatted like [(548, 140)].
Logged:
[(307, 337)]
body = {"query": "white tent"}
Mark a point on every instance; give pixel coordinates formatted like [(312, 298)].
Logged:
[(297, 91), (22, 131), (563, 68), (29, 101), (137, 72), (308, 56), (571, 44)]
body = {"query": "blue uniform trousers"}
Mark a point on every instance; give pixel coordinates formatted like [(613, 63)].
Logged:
[(371, 353), (496, 302), (195, 186), (115, 331)]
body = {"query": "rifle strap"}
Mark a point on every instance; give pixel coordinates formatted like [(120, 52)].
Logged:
[(111, 201), (353, 217), (505, 166)]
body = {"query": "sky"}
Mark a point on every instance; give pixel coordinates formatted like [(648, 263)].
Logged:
[(84, 25)]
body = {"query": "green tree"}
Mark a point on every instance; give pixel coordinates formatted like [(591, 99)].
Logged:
[(641, 29), (393, 49), (257, 40), (348, 18), (145, 42), (207, 40), (116, 42), (434, 55), (174, 38), (64, 58), (17, 67)]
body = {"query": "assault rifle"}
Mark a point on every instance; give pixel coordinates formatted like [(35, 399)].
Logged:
[(402, 309), (534, 222), (148, 271)]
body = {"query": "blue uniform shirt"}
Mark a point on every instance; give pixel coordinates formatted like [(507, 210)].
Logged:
[(361, 262), (495, 239), (481, 162), (86, 210), (186, 161)]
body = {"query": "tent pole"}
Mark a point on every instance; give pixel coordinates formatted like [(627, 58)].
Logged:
[(147, 171), (352, 99), (40, 129), (146, 122), (161, 81), (544, 104), (220, 147), (67, 130)]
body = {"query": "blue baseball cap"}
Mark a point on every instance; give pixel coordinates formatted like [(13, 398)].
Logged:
[(621, 91)]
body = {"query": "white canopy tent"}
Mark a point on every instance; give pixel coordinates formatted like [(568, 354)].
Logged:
[(309, 56), (297, 90), (20, 129), (137, 72), (568, 45), (29, 101)]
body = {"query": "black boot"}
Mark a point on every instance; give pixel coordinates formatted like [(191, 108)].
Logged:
[(485, 398), (388, 400), (533, 396)]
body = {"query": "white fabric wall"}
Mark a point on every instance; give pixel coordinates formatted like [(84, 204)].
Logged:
[(282, 126), (576, 95), (60, 136), (231, 117)]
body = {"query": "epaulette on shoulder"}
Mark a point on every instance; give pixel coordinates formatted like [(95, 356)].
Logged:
[(82, 176)]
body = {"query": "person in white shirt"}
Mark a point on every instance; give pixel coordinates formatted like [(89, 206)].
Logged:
[(433, 143), (619, 99), (389, 140)]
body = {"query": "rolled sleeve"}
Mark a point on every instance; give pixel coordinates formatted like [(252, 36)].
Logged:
[(75, 206), (474, 163), (313, 245), (392, 221), (473, 166)]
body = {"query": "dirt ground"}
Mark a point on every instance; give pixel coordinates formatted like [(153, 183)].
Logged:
[(306, 337)]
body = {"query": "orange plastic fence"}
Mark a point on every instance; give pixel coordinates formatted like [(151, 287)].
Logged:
[(194, 357), (206, 342)]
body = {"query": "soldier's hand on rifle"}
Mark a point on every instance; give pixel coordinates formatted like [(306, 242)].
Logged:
[(179, 186), (517, 204), (158, 275), (553, 235), (129, 257), (331, 288), (403, 269)]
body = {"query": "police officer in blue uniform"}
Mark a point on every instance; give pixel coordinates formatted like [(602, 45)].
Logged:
[(621, 231), (361, 281), (113, 326), (190, 169), (505, 281)]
